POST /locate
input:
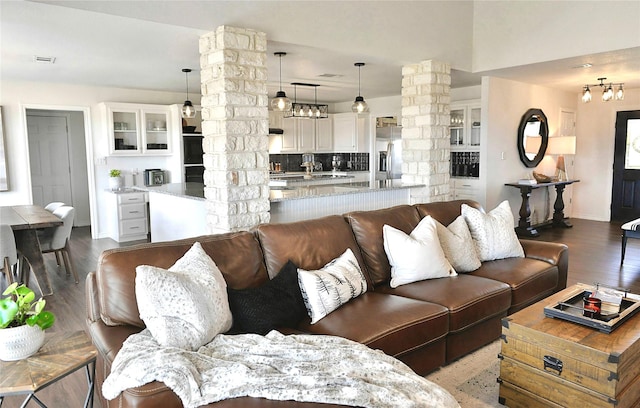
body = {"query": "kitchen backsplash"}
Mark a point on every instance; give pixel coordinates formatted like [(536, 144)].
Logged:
[(348, 161)]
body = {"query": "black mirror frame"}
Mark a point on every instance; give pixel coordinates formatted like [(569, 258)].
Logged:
[(544, 132)]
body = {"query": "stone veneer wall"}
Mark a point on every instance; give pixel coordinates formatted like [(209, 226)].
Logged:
[(425, 129), (235, 128)]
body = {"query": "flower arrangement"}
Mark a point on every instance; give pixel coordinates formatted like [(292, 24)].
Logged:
[(19, 309)]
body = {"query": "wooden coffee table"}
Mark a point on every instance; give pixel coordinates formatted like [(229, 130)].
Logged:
[(550, 362), (61, 355)]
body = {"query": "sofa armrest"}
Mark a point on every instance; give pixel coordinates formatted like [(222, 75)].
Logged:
[(550, 252), (91, 298)]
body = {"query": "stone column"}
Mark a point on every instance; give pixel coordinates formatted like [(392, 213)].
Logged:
[(235, 128), (425, 129)]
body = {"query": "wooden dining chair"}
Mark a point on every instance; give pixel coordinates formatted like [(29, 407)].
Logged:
[(8, 252), (56, 239)]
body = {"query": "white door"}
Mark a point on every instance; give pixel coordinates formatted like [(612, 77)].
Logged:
[(49, 157)]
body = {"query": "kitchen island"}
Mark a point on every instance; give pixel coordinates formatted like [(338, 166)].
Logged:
[(179, 210)]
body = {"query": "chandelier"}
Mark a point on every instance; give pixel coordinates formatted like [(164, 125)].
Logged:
[(307, 110), (607, 91)]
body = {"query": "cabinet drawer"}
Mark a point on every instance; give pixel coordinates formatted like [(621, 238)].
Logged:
[(130, 198), (132, 211), (133, 227), (460, 184)]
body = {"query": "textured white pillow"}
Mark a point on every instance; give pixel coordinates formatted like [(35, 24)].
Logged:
[(493, 233), (324, 290), (415, 257), (187, 305), (458, 246)]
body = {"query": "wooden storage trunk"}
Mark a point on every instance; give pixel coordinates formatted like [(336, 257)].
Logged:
[(548, 362)]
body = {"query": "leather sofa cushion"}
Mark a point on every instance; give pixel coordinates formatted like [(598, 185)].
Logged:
[(237, 255), (392, 323), (367, 228), (470, 299), (309, 244), (444, 212), (530, 279)]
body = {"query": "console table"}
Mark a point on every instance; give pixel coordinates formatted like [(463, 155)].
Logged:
[(524, 228)]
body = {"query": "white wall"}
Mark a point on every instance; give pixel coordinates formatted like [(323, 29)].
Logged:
[(503, 104), (514, 33), (595, 131), (15, 95)]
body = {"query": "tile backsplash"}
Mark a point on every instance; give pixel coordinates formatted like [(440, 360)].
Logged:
[(348, 161)]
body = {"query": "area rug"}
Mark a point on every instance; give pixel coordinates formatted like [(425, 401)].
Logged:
[(472, 379)]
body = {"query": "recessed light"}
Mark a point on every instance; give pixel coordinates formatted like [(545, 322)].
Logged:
[(44, 60), (329, 75)]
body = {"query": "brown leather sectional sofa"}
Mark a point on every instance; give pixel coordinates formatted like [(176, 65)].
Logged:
[(426, 324)]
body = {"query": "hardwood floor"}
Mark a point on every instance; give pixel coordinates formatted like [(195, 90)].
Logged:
[(594, 256)]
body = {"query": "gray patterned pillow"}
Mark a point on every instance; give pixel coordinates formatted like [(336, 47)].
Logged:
[(493, 233), (458, 245), (324, 290), (187, 305)]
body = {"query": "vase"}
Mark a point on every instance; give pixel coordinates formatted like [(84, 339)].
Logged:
[(17, 343), (115, 183)]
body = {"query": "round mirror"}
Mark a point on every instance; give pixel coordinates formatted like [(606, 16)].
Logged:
[(533, 136)]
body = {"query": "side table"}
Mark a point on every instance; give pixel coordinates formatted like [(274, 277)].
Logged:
[(61, 355), (524, 228)]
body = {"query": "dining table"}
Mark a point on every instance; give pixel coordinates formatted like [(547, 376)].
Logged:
[(25, 220)]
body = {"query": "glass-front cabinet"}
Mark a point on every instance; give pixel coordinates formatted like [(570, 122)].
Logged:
[(465, 140), (138, 129)]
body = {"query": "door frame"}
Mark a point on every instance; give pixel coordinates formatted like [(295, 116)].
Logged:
[(619, 143), (88, 140)]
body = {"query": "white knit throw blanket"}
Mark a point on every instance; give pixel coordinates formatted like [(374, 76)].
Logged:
[(310, 368)]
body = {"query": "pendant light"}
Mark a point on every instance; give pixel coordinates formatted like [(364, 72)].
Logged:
[(359, 105), (281, 102), (188, 111)]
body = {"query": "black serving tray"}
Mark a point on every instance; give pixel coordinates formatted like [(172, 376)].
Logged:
[(571, 309)]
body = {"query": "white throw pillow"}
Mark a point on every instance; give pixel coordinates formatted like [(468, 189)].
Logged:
[(493, 233), (324, 290), (415, 257), (187, 305), (458, 246)]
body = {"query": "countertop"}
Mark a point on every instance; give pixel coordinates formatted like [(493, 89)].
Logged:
[(195, 191)]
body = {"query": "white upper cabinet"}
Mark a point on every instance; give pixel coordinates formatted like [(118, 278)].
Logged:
[(350, 132), (464, 127), (302, 135), (135, 129)]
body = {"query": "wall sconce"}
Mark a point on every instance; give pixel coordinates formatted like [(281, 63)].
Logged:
[(561, 145), (607, 91)]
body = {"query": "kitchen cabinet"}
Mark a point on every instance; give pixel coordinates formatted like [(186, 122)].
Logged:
[(465, 140), (350, 132), (275, 119), (135, 129), (128, 219), (306, 135)]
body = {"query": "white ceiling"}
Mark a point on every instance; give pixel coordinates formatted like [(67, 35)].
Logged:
[(145, 44)]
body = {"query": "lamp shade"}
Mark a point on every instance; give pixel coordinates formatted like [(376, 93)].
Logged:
[(562, 145)]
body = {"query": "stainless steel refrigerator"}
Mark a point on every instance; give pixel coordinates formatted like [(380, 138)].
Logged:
[(388, 152)]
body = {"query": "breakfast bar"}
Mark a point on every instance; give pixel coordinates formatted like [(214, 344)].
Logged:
[(179, 210)]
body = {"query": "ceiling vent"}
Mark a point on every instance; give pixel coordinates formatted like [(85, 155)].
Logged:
[(329, 75), (44, 60)]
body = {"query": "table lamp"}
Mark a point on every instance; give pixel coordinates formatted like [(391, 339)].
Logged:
[(561, 145)]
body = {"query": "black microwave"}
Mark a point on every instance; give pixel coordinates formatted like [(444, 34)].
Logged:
[(192, 149)]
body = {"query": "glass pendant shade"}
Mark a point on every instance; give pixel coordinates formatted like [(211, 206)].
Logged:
[(281, 102), (188, 111), (586, 95), (359, 105), (620, 94)]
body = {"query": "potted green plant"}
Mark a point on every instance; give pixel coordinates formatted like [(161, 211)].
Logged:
[(115, 179), (23, 321)]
